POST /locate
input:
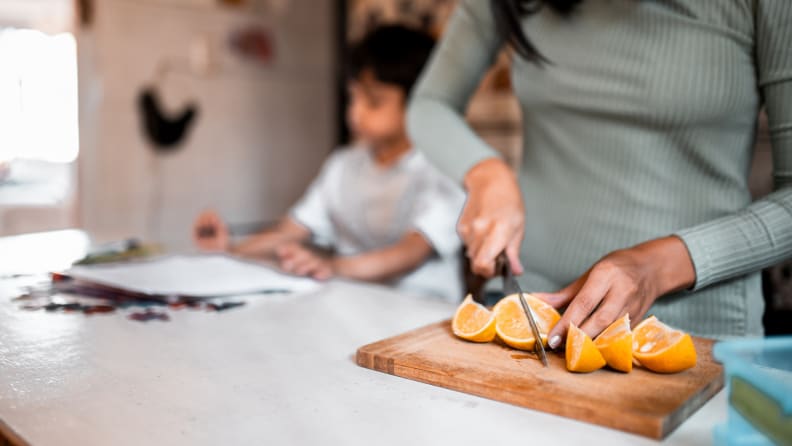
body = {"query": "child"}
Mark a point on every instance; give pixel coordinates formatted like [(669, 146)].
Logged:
[(388, 215)]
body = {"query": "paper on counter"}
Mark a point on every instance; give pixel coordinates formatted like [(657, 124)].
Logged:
[(193, 276)]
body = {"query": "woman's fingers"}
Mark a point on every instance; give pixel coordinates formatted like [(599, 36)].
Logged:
[(513, 254), (626, 281), (592, 292), (487, 238), (494, 242), (493, 216), (610, 309), (471, 232)]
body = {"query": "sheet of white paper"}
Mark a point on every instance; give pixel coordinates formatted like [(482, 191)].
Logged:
[(192, 275)]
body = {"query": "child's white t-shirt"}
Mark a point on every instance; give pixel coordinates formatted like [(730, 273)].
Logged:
[(356, 206)]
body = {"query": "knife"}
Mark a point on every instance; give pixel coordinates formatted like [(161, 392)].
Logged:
[(510, 286)]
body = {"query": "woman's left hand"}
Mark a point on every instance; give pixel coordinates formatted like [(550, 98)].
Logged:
[(626, 281)]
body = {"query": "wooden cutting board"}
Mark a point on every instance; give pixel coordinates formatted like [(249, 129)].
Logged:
[(640, 402)]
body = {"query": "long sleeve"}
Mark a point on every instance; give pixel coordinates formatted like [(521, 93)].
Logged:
[(761, 234), (436, 113)]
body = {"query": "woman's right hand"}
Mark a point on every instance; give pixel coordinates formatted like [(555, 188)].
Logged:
[(493, 219), (210, 232)]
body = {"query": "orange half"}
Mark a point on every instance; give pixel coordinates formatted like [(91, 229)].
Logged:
[(473, 321), (661, 348), (512, 325), (616, 344)]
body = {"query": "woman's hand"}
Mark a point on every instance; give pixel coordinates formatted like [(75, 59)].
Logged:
[(296, 259), (493, 219), (210, 233), (623, 282)]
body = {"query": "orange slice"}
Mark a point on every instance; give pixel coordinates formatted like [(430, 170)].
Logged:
[(512, 326), (661, 348), (581, 353), (473, 321), (616, 344)]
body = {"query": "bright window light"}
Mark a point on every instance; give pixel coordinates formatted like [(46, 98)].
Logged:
[(38, 96)]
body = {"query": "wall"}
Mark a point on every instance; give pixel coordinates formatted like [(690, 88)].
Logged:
[(262, 130)]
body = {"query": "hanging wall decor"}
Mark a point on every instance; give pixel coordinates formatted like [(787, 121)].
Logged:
[(163, 132)]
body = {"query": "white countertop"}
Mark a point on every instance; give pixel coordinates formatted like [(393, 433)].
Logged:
[(279, 370)]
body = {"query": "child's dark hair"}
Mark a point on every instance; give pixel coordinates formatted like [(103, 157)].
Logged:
[(395, 54)]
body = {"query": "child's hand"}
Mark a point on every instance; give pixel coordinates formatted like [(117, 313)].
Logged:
[(296, 259), (210, 233)]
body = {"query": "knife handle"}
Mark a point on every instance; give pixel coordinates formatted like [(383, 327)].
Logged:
[(502, 265)]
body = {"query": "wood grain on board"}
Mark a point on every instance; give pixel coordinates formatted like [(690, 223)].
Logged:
[(640, 402)]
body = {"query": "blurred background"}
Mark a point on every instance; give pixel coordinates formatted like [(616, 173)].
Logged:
[(263, 79), (126, 118)]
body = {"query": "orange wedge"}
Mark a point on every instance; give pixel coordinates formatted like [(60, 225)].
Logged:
[(616, 344), (661, 348), (474, 322), (512, 326), (581, 353)]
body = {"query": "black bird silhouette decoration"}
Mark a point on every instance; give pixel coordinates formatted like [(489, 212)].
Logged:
[(164, 132)]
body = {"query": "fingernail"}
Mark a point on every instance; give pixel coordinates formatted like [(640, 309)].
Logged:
[(554, 342)]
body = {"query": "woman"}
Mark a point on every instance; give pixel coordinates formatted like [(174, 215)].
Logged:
[(639, 118)]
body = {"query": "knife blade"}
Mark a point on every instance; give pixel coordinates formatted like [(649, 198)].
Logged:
[(510, 286)]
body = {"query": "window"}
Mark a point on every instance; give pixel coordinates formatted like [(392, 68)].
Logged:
[(38, 115), (38, 96)]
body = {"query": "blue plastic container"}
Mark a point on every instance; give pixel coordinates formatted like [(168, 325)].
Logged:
[(759, 382)]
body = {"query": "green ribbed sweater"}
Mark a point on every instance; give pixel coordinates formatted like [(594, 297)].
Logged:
[(642, 127)]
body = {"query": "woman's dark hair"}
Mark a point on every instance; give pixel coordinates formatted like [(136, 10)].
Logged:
[(509, 13), (395, 54)]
